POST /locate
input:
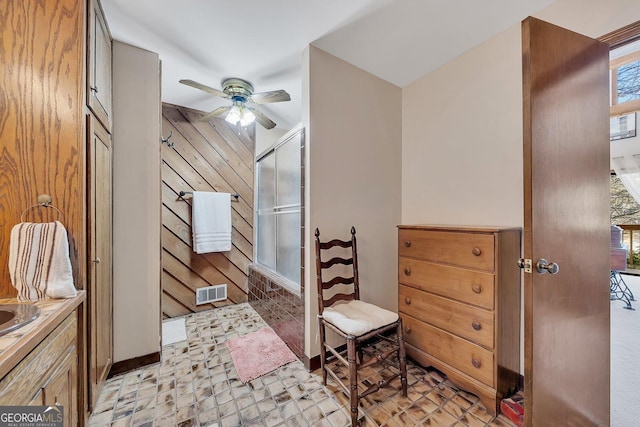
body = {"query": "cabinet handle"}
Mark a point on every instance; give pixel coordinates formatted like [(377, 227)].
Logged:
[(94, 89), (476, 251), (96, 261), (476, 325), (407, 301), (476, 288), (407, 271), (476, 363), (407, 243), (407, 329)]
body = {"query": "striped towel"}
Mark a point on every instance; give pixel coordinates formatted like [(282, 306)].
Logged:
[(39, 262)]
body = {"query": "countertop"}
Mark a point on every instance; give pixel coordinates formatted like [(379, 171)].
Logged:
[(17, 344)]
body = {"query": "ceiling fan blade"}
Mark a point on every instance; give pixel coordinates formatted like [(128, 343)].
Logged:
[(264, 121), (203, 87), (267, 97), (221, 111)]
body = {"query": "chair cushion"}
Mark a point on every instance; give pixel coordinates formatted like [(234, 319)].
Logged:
[(357, 317)]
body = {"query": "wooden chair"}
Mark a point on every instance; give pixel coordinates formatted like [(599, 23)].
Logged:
[(358, 322)]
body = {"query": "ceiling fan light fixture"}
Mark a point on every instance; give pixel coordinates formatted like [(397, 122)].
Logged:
[(247, 118), (240, 92), (234, 115)]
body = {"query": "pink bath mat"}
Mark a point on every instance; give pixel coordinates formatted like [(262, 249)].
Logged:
[(258, 353)]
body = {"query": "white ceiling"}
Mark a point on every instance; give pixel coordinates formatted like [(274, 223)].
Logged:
[(263, 41)]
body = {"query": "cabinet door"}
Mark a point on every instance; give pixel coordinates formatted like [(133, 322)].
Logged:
[(100, 238), (62, 389), (99, 64)]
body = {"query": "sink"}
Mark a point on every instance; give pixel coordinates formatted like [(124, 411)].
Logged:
[(13, 316)]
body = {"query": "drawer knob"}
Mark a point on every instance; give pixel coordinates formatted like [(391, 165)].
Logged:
[(407, 243), (476, 325), (476, 251), (476, 363), (407, 301), (476, 288), (407, 271), (407, 329)]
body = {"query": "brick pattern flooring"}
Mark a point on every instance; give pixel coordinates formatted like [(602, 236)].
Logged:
[(196, 384)]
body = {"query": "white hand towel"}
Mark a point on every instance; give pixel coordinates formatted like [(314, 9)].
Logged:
[(211, 222), (39, 263)]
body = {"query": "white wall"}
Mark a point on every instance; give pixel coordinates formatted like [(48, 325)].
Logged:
[(462, 139), (353, 169), (265, 138), (136, 202), (462, 124)]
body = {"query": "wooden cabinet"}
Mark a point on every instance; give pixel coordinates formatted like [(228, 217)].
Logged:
[(99, 200), (99, 65), (48, 375), (62, 389), (100, 287), (459, 299)]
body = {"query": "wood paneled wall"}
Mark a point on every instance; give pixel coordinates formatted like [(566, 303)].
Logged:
[(41, 121), (206, 156)]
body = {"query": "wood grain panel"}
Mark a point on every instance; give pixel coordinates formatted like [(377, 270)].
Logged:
[(232, 264), (41, 122), (206, 156)]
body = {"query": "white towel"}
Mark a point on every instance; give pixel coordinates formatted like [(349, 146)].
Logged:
[(39, 263), (211, 222)]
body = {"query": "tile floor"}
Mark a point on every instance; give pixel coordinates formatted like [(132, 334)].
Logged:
[(196, 384)]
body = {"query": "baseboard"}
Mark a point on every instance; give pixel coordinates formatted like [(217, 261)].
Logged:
[(133, 364)]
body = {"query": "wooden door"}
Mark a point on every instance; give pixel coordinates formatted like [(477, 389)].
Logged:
[(62, 389), (566, 187), (99, 64), (100, 287)]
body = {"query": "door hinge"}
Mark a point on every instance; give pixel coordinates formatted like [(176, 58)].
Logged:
[(525, 264)]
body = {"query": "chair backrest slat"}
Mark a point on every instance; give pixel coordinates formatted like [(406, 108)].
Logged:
[(337, 260), (335, 242), (338, 297), (325, 265), (338, 280)]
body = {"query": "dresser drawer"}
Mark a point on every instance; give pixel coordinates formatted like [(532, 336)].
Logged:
[(459, 353), (474, 324), (469, 286), (464, 249)]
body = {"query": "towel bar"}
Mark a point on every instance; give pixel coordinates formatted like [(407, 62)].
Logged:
[(183, 193)]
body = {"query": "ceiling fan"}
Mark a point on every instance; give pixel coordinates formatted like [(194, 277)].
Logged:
[(240, 92)]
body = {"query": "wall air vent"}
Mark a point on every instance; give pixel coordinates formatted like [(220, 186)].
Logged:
[(211, 294)]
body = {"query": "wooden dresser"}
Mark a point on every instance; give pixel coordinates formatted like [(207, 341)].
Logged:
[(459, 299)]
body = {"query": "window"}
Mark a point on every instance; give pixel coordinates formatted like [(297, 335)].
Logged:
[(279, 206), (625, 79)]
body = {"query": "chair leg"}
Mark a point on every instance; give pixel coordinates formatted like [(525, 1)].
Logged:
[(323, 352), (353, 380), (402, 358)]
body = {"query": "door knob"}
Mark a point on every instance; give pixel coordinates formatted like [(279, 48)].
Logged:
[(543, 266), (96, 261)]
